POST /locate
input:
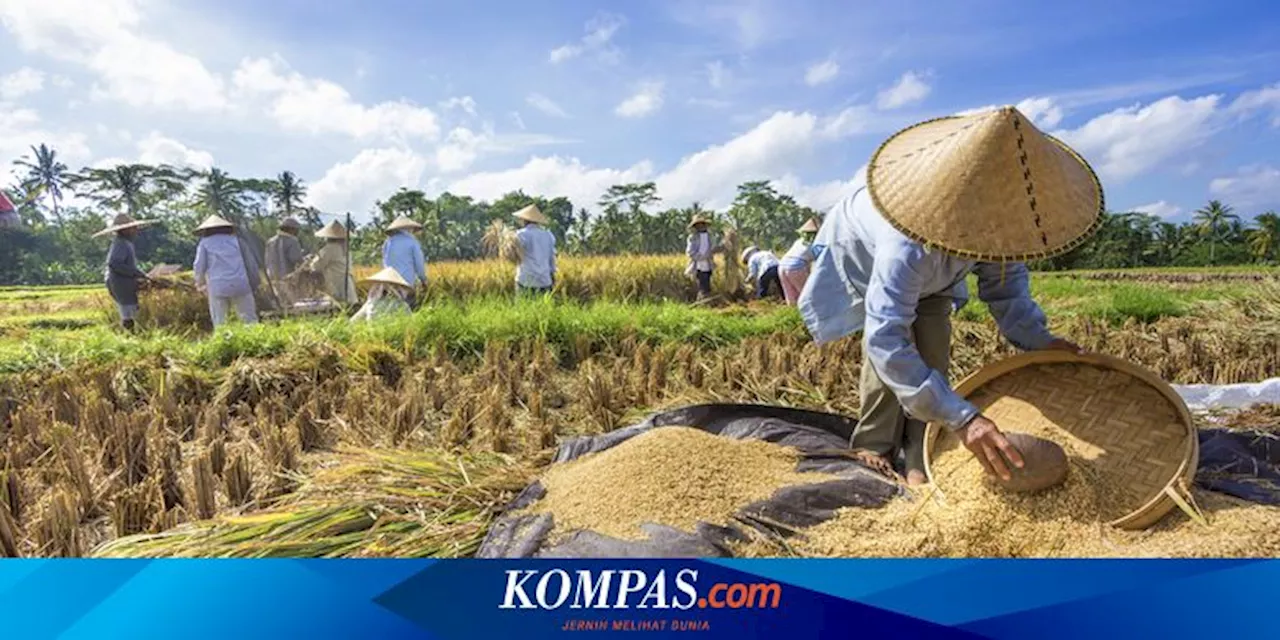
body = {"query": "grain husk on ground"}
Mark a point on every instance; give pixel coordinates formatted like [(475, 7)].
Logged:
[(676, 476)]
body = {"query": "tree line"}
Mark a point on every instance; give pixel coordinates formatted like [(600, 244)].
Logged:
[(53, 245)]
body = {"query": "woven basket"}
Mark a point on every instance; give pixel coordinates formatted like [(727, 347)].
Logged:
[(1129, 423)]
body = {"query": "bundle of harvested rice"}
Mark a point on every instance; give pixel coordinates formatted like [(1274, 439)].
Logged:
[(676, 476), (499, 240), (362, 503)]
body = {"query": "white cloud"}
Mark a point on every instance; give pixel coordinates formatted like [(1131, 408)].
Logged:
[(717, 74), (546, 105), (465, 103), (374, 173), (21, 129), (103, 36), (1129, 141), (1044, 112), (318, 106), (646, 100), (1160, 209), (821, 72), (1254, 185), (710, 103), (600, 31), (1264, 99), (62, 82), (912, 87), (157, 149), (553, 176), (24, 81), (821, 196)]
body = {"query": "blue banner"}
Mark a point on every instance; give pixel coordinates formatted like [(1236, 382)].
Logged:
[(689, 598)]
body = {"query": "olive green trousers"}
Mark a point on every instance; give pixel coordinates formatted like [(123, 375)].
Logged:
[(884, 426)]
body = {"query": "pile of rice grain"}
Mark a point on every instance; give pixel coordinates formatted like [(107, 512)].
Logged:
[(677, 476)]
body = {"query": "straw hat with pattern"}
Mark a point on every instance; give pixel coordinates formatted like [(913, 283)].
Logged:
[(215, 222), (810, 226), (697, 220), (531, 214), (388, 276), (403, 222), (333, 230), (987, 186), (123, 221)]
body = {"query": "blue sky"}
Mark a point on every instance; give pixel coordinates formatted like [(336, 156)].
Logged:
[(1174, 102)]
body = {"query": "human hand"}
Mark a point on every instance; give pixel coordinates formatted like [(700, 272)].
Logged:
[(1062, 344), (983, 438)]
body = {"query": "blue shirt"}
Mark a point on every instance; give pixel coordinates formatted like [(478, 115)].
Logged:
[(759, 262), (537, 268), (402, 252), (867, 276)]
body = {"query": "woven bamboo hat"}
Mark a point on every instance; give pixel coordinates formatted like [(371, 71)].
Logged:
[(215, 222), (697, 220), (811, 226), (988, 186), (1129, 428), (388, 276), (748, 252), (403, 222), (333, 230), (123, 221), (531, 214)]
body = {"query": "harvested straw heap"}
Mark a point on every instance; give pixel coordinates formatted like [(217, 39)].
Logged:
[(675, 476)]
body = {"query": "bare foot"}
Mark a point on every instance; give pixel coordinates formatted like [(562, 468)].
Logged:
[(916, 478), (875, 462)]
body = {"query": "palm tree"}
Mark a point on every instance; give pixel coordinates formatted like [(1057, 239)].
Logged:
[(289, 192), (1264, 240), (45, 175), (1210, 221), (221, 194), (121, 185)]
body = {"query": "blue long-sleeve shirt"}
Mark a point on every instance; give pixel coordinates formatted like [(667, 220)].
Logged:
[(867, 276), (758, 263), (402, 252), (537, 268)]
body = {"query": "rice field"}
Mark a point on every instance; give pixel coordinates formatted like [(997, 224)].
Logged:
[(320, 438)]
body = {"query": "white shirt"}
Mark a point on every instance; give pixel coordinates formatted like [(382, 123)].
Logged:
[(220, 265), (537, 269)]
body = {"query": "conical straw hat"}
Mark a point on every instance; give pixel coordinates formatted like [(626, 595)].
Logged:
[(403, 222), (748, 252), (388, 276), (811, 226), (987, 186), (531, 214), (215, 222), (123, 221), (697, 220), (333, 230)]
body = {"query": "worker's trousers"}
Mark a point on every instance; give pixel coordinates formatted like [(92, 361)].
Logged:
[(883, 426), (246, 309)]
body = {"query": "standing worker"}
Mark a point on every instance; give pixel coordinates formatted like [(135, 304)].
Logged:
[(332, 262), (222, 272), (981, 194), (284, 255), (537, 271), (121, 272), (701, 248), (793, 269), (762, 272), (403, 253)]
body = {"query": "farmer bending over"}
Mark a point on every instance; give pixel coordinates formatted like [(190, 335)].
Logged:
[(945, 198)]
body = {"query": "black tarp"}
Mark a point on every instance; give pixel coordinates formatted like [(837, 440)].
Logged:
[(821, 438), (1245, 464)]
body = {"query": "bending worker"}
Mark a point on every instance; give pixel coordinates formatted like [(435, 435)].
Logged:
[(762, 271), (793, 269), (403, 253), (978, 194)]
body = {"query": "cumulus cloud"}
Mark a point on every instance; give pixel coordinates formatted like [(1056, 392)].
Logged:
[(1252, 186), (1131, 140), (158, 149), (911, 88), (600, 31), (1264, 99), (464, 103), (551, 176), (104, 37), (20, 129), (646, 100), (23, 82), (318, 106), (821, 72), (1160, 209), (546, 105), (373, 173)]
